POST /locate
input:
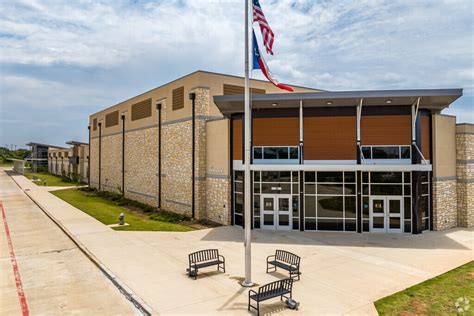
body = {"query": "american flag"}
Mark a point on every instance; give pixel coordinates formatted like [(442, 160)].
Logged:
[(267, 32)]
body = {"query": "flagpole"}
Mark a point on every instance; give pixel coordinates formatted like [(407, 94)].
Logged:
[(247, 205)]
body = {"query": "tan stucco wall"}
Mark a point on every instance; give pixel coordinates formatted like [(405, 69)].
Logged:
[(444, 146)]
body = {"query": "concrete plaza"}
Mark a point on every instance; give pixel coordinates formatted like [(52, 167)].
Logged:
[(343, 273)]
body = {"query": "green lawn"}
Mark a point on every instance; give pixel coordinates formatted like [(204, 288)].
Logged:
[(51, 180), (436, 296), (107, 212)]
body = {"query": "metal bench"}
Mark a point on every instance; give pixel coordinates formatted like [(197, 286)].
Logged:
[(279, 288), (205, 258), (285, 260)]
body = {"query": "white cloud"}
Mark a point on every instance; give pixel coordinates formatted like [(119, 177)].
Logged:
[(332, 45)]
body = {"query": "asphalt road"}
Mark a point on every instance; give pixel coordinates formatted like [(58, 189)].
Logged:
[(41, 270)]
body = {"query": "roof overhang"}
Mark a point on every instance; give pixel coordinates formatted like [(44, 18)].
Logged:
[(33, 144), (73, 142), (434, 99)]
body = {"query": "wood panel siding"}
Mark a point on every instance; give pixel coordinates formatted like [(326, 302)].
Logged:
[(112, 119), (425, 134), (230, 89), (330, 134), (386, 125), (178, 98), (141, 110), (237, 137), (94, 124), (275, 127)]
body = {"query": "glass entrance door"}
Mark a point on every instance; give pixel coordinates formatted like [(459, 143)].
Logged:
[(386, 214), (276, 211)]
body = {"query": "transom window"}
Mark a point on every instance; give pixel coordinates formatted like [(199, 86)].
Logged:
[(276, 153), (386, 152)]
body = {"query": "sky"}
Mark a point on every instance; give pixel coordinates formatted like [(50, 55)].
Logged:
[(61, 61)]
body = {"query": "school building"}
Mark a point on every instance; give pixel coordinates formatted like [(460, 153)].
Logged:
[(358, 161)]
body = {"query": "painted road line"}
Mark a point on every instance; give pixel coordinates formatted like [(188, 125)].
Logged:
[(16, 272)]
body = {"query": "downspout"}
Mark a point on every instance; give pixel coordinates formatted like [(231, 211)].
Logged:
[(100, 153), (89, 159), (192, 97), (123, 154), (158, 108)]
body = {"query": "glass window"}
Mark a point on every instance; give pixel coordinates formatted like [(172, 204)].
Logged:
[(424, 189), (349, 189), (330, 224), (239, 176), (270, 153), (256, 222), (282, 152), (276, 176), (407, 207), (386, 177), (385, 152), (256, 176), (407, 177), (365, 207), (366, 152), (238, 220), (239, 187), (310, 206), (405, 152), (365, 177), (296, 224), (310, 224), (295, 176), (295, 203), (350, 207), (294, 153), (257, 153), (407, 190), (329, 176), (330, 206), (424, 177), (333, 189), (309, 176), (256, 187), (381, 189), (365, 189), (309, 189), (423, 206), (239, 203), (256, 205), (350, 225), (407, 227), (350, 177)]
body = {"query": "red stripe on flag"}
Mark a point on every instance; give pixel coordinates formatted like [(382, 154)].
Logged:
[(16, 272)]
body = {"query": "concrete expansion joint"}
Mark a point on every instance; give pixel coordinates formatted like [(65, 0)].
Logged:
[(137, 301)]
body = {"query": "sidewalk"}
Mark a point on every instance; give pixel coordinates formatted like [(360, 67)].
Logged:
[(342, 273)]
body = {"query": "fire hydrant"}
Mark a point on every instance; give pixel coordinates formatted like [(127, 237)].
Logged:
[(121, 219)]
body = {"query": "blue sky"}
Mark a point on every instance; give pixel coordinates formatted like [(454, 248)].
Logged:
[(62, 61)]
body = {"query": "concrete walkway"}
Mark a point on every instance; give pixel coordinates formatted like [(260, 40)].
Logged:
[(343, 273), (56, 277)]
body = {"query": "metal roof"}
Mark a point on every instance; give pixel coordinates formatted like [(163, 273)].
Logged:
[(43, 145), (436, 99), (73, 142)]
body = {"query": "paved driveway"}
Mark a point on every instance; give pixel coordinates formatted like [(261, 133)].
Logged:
[(343, 273)]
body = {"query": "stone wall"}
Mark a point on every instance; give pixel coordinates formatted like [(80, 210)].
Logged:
[(218, 200), (444, 204), (111, 177), (141, 165), (94, 163), (465, 176)]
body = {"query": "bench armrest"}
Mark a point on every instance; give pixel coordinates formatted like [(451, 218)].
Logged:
[(270, 257), (221, 256), (252, 291)]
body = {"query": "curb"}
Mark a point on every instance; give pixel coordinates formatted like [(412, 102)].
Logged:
[(139, 303)]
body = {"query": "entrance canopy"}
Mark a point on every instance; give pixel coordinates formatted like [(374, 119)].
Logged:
[(434, 99)]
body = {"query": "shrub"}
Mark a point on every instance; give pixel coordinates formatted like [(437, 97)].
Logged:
[(166, 216)]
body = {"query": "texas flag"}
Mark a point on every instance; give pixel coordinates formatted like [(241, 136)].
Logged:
[(259, 63)]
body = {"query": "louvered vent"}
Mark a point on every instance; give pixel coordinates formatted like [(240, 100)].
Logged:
[(231, 89), (178, 98), (112, 119), (141, 110), (94, 124)]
